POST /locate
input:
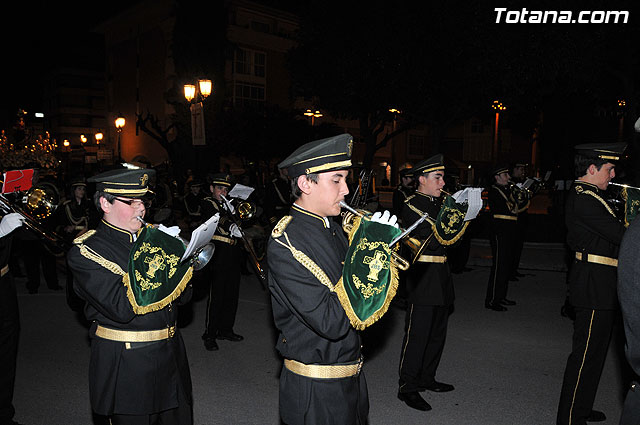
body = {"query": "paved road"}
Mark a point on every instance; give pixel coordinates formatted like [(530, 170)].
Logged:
[(506, 367)]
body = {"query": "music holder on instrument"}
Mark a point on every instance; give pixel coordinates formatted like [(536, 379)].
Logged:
[(201, 236)]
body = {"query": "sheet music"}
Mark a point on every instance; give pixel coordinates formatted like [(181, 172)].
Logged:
[(241, 191), (201, 236), (528, 183), (473, 197)]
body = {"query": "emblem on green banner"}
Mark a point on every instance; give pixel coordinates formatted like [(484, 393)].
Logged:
[(450, 225), (369, 277), (631, 205), (155, 275)]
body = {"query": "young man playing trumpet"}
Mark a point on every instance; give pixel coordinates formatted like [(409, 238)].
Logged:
[(322, 379), (429, 292)]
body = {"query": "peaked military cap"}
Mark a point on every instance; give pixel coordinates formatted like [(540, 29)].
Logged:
[(405, 170), (434, 163), (500, 169), (607, 151), (332, 153), (77, 181), (221, 179), (125, 183)]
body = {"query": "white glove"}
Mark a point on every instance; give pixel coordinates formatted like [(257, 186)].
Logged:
[(227, 206), (235, 230), (9, 223), (173, 230), (385, 218)]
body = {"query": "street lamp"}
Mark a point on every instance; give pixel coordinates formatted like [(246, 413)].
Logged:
[(120, 122), (395, 113), (199, 92), (83, 139), (498, 107), (313, 116), (621, 105), (99, 137)]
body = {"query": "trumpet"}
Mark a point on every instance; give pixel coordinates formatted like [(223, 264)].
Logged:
[(55, 242), (402, 263), (250, 208), (200, 257)]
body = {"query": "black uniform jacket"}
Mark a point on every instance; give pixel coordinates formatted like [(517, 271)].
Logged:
[(629, 292), (400, 195), (502, 203), (592, 228), (314, 329), (145, 378), (427, 283), (211, 206)]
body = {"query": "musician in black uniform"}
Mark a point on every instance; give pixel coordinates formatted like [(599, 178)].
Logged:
[(72, 218), (193, 203), (278, 197), (305, 253), (405, 189), (429, 292), (518, 177), (594, 235), (504, 217), (9, 321), (138, 373), (224, 270)]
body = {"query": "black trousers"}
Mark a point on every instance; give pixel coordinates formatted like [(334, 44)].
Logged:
[(224, 272), (181, 415), (35, 255), (591, 336), (521, 226), (9, 335), (424, 338), (502, 249)]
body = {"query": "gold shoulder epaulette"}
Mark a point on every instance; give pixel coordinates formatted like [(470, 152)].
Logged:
[(281, 226), (83, 237)]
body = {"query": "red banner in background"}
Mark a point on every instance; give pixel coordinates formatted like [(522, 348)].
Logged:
[(16, 180)]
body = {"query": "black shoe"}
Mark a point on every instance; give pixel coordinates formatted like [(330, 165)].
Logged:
[(229, 336), (55, 288), (518, 274), (439, 387), (505, 301), (495, 307), (210, 344), (415, 401), (33, 291), (596, 416)]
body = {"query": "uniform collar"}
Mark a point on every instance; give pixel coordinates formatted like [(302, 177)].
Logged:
[(118, 233), (589, 185), (324, 220), (429, 197)]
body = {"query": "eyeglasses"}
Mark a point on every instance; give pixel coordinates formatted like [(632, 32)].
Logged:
[(135, 203)]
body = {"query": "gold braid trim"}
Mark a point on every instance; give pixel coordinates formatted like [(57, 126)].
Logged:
[(97, 258), (83, 237), (391, 292), (452, 241), (159, 305), (308, 263), (599, 198)]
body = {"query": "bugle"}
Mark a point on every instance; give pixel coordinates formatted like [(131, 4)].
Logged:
[(55, 242), (200, 257), (402, 263), (626, 186), (247, 244)]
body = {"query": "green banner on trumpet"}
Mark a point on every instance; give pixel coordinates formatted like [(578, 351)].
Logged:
[(450, 225), (370, 275), (155, 275), (631, 205)]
